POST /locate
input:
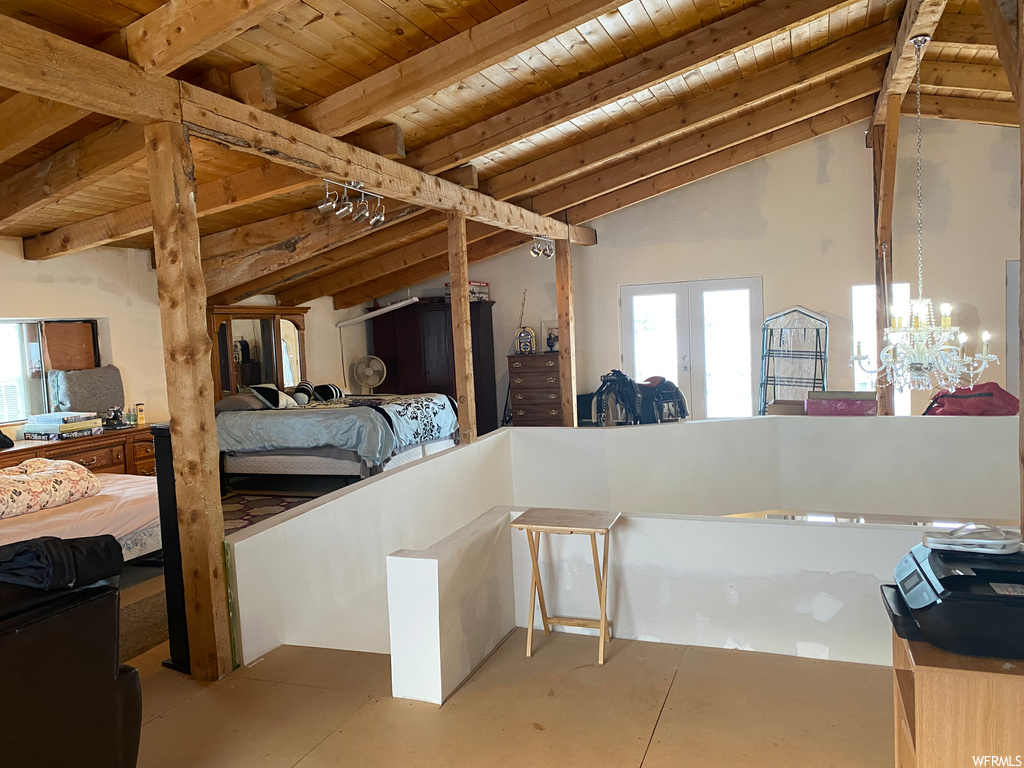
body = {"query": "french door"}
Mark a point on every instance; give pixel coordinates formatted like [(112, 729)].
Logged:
[(702, 334)]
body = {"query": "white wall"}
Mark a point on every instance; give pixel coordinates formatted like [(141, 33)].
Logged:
[(116, 286), (801, 218), (316, 575)]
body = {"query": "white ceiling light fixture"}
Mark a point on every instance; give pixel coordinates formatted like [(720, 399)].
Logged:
[(924, 355), (346, 205), (543, 246)]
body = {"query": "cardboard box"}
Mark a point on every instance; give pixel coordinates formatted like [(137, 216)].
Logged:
[(841, 407), (785, 408)]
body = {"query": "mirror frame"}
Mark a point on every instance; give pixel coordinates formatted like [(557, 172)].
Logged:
[(220, 315)]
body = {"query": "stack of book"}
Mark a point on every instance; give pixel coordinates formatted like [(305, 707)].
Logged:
[(63, 425)]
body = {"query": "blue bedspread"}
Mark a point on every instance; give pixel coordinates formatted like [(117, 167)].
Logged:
[(375, 426)]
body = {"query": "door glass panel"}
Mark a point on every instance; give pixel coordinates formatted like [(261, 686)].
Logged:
[(727, 354), (655, 346), (290, 353)]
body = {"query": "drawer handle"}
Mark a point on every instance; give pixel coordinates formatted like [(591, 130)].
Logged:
[(552, 396), (520, 413), (552, 379), (149, 473), (517, 364), (553, 411), (149, 449), (517, 381), (550, 363), (519, 397), (94, 460)]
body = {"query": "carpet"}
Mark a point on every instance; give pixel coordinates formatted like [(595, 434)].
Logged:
[(244, 509), (143, 625)]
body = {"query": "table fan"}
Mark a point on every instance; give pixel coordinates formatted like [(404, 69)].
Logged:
[(369, 372)]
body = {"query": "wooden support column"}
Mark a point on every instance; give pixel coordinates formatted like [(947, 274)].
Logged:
[(884, 152), (566, 331), (187, 349), (462, 331), (1019, 76)]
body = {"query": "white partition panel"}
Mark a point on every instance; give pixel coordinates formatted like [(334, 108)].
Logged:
[(316, 575), (762, 585), (450, 606)]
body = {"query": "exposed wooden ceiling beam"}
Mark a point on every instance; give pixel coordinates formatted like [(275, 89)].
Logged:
[(502, 242), (703, 46), (391, 235), (819, 99), (920, 17), (464, 175), (40, 63), (963, 77), (182, 30), (437, 67), (782, 138), (822, 98), (253, 185), (1006, 42), (230, 124), (75, 167), (26, 120), (664, 127), (970, 110), (388, 141), (239, 263), (965, 32)]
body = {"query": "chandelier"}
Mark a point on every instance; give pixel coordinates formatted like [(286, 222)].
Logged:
[(921, 354)]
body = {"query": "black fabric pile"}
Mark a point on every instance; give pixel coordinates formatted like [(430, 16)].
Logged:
[(50, 563)]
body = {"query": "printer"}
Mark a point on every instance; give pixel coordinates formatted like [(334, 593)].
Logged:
[(963, 602)]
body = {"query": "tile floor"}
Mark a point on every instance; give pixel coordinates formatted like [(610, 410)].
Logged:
[(650, 705)]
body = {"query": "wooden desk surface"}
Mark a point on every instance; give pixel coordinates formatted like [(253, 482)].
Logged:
[(550, 520), (927, 655)]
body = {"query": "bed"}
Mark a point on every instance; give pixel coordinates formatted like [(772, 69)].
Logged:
[(359, 435), (125, 507)]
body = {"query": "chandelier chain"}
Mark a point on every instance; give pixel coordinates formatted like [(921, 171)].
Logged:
[(918, 45)]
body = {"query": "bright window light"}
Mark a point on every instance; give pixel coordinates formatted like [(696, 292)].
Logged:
[(655, 344), (864, 333), (727, 354)]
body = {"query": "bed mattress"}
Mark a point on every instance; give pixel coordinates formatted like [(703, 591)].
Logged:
[(323, 460), (125, 507)]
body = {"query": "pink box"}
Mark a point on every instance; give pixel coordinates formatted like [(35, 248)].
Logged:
[(841, 407)]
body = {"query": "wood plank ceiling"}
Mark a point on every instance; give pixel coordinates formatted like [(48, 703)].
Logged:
[(633, 102)]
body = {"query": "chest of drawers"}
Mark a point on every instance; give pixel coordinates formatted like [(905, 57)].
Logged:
[(536, 391), (122, 451)]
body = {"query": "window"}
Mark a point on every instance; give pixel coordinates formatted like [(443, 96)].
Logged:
[(864, 332), (22, 381), (30, 348)]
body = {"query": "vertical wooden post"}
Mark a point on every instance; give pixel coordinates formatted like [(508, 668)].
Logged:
[(884, 151), (1019, 76), (566, 331), (462, 330), (187, 366)]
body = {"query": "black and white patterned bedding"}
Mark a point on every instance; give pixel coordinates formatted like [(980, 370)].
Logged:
[(413, 418)]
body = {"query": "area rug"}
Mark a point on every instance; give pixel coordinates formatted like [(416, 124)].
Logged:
[(143, 625), (244, 509)]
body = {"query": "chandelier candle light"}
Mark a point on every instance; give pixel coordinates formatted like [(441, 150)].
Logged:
[(923, 355)]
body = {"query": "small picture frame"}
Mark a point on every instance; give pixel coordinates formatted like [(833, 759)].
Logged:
[(548, 341)]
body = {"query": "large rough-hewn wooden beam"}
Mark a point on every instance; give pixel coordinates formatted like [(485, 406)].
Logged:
[(497, 243), (920, 17), (441, 65), (565, 301), (689, 52), (462, 328), (664, 127), (103, 153), (257, 133), (1005, 35), (253, 185), (884, 172), (42, 64), (187, 348), (970, 110)]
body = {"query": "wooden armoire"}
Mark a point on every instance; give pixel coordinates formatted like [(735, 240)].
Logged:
[(415, 343)]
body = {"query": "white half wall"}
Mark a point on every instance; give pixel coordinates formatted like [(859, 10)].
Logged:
[(798, 589), (450, 606), (316, 575)]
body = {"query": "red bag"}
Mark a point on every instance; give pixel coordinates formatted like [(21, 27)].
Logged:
[(985, 399)]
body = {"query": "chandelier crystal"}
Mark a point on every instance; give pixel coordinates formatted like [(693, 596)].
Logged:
[(921, 354)]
